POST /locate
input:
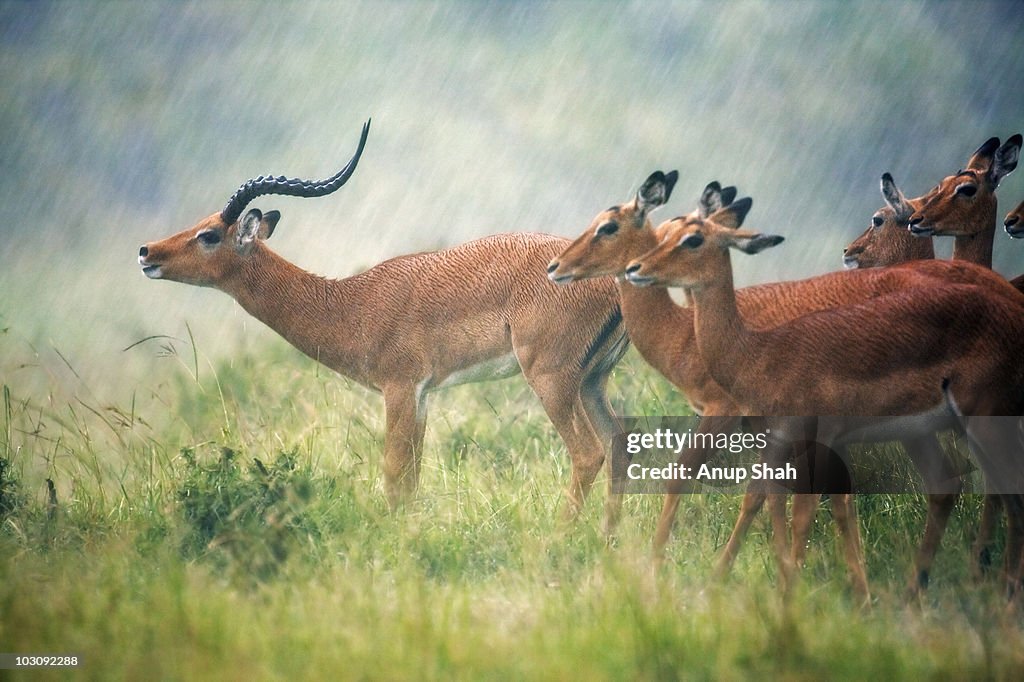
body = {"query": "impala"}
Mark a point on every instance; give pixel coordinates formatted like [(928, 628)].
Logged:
[(887, 240), (664, 334), (418, 323), (613, 239), (964, 206), (887, 355)]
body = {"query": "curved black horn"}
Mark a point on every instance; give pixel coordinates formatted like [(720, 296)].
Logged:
[(290, 186)]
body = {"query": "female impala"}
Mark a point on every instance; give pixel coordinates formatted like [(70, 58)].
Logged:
[(663, 333), (888, 355), (887, 241), (963, 206), (417, 323)]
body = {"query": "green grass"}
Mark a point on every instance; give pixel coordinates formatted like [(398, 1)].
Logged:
[(229, 522)]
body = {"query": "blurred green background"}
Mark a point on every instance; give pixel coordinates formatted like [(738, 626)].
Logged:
[(125, 122)]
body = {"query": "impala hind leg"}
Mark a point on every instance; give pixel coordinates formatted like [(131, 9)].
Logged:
[(606, 426), (981, 550), (942, 485), (1013, 504), (566, 410), (405, 410)]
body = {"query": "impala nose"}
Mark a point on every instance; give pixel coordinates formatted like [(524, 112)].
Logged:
[(916, 220), (633, 267), (143, 252), (552, 266)]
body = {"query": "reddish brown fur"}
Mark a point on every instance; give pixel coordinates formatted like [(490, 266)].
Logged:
[(861, 361), (407, 325), (970, 219), (963, 206), (887, 241), (664, 333)]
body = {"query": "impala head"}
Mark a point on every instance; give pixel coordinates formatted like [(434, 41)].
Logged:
[(219, 245), (965, 204), (887, 240), (694, 251), (598, 251), (1013, 224), (623, 232)]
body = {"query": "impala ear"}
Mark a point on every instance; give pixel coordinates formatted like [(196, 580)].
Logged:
[(894, 197), (254, 225), (732, 215), (656, 190), (268, 223), (714, 198), (982, 157), (710, 199), (753, 242), (728, 196), (1005, 160)]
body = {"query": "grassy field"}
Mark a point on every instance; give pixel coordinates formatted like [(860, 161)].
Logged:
[(228, 522), (217, 507)]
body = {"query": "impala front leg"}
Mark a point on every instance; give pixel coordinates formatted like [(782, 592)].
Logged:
[(406, 414)]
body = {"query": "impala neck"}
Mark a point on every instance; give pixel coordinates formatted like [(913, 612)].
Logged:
[(319, 316), (723, 337), (976, 248), (650, 315), (921, 248)]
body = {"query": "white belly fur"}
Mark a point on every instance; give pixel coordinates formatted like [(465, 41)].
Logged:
[(496, 368)]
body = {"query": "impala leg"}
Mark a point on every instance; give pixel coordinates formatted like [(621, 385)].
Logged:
[(942, 484), (753, 500), (845, 511), (666, 521), (1014, 506), (995, 444), (690, 458), (796, 444), (805, 509), (776, 500), (940, 507), (567, 412), (403, 442), (606, 426), (981, 551)]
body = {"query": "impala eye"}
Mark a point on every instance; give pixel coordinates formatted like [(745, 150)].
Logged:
[(209, 237), (877, 220), (967, 190), (691, 241), (607, 228)]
